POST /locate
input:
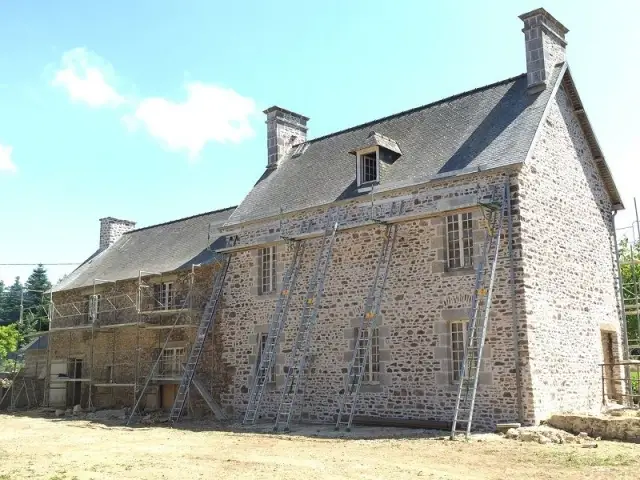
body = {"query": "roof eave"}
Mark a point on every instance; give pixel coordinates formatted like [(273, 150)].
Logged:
[(509, 168), (592, 140)]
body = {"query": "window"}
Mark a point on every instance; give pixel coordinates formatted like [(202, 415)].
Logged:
[(171, 362), (368, 167), (94, 308), (262, 343), (460, 240), (372, 362), (97, 307), (267, 270), (458, 341), (164, 296)]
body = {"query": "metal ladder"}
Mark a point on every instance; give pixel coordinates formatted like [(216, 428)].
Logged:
[(276, 326), (494, 215), (208, 319), (297, 362), (368, 322), (156, 363)]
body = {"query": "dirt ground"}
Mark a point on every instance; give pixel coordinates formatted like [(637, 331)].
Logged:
[(55, 449)]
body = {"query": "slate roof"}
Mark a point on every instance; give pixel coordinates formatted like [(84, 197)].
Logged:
[(160, 248), (489, 127)]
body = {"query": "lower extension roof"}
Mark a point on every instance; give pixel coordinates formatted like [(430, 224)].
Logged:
[(162, 248)]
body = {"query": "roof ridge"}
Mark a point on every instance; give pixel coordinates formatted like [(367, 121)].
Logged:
[(416, 109), (179, 220)]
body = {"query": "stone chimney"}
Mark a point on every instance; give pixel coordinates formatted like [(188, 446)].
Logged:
[(545, 47), (284, 130), (111, 229)]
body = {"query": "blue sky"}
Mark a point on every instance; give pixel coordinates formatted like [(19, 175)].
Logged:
[(151, 111)]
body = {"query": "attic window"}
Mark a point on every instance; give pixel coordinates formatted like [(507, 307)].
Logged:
[(368, 167)]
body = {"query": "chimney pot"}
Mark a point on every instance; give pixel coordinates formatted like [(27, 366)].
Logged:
[(111, 229), (284, 130)]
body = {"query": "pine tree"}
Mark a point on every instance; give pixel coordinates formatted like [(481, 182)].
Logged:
[(2, 294), (36, 300), (36, 286), (11, 302)]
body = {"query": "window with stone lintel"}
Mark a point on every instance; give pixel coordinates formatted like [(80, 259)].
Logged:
[(460, 240), (458, 340), (267, 270), (372, 360), (262, 343)]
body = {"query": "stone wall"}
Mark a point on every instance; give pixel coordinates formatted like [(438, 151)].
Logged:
[(568, 261), (564, 296), (111, 229), (422, 299), (126, 354), (625, 427)]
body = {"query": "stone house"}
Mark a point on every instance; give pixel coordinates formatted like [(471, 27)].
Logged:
[(554, 315), (150, 286)]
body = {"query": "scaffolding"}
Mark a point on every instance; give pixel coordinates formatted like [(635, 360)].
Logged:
[(119, 362), (627, 249), (28, 378)]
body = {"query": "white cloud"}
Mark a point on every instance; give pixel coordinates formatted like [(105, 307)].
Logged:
[(210, 113), (6, 164), (84, 75)]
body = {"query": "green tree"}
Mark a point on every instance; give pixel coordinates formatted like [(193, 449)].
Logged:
[(36, 300), (2, 293), (36, 286), (630, 275), (11, 302), (9, 340)]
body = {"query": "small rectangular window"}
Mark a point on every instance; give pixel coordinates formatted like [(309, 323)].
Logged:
[(372, 360), (171, 361), (368, 167), (163, 296), (458, 340), (460, 240), (94, 308), (267, 270), (262, 343)]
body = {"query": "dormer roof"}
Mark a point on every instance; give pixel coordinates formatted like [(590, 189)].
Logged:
[(377, 139)]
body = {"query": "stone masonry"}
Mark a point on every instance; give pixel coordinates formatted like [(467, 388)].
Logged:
[(545, 331), (284, 129), (568, 260), (122, 355), (422, 298), (111, 229)]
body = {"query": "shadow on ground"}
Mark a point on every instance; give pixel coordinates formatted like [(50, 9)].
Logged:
[(106, 419)]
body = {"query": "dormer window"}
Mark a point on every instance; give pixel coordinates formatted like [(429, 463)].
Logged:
[(369, 167), (371, 154)]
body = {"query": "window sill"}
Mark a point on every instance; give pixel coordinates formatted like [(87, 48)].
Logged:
[(268, 294), (371, 387), (458, 271)]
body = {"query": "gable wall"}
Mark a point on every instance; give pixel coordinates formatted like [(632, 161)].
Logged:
[(568, 251)]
